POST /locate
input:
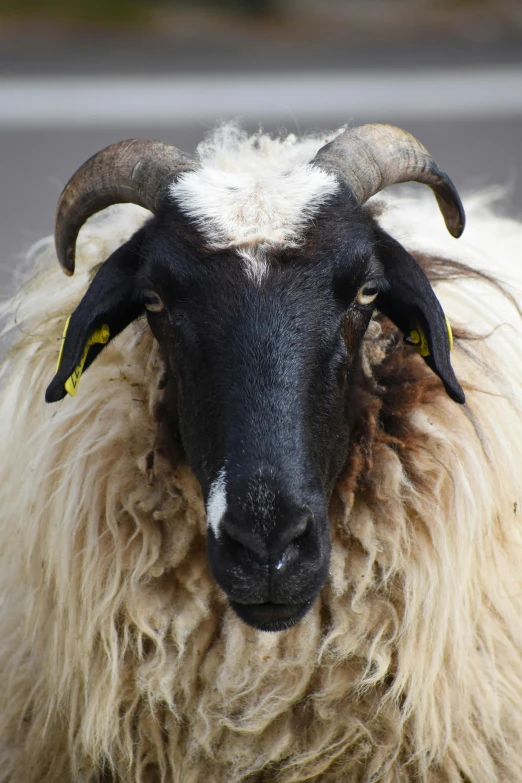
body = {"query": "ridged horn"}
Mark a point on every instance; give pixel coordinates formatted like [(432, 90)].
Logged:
[(369, 158), (138, 171)]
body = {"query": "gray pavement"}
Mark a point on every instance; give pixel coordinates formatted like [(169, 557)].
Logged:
[(479, 92), (240, 51), (478, 147)]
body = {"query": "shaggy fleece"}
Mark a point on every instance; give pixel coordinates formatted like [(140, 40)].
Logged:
[(119, 658)]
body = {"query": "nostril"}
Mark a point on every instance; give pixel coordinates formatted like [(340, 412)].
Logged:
[(287, 536), (248, 539), (294, 532), (303, 525)]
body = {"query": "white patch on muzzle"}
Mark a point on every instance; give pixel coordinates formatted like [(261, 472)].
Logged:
[(217, 502)]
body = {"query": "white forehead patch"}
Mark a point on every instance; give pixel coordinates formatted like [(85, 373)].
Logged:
[(217, 502), (256, 195)]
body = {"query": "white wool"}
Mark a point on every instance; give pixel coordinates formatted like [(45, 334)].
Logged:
[(254, 193)]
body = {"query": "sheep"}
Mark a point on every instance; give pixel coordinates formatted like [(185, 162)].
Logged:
[(126, 652)]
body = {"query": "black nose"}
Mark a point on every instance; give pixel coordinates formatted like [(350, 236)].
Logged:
[(269, 543), (272, 547)]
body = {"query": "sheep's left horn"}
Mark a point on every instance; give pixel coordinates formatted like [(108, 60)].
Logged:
[(137, 171), (372, 157)]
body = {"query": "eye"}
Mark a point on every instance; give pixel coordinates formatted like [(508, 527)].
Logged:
[(152, 302), (367, 293)]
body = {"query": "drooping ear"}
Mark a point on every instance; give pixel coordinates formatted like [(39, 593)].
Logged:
[(108, 306), (410, 302)]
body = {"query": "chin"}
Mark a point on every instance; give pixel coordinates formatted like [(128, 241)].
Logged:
[(269, 616)]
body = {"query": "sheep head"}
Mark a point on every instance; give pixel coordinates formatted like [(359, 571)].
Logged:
[(261, 342)]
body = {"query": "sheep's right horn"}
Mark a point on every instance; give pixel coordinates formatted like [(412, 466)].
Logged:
[(369, 158), (137, 171)]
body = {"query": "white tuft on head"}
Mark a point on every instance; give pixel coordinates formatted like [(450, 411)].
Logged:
[(217, 502), (254, 193)]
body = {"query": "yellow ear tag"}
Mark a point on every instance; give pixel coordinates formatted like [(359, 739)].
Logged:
[(99, 336), (418, 338)]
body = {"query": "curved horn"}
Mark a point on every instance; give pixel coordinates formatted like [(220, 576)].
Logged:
[(371, 157), (137, 171)]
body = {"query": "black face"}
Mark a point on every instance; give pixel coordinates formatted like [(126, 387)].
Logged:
[(262, 374), (262, 371)]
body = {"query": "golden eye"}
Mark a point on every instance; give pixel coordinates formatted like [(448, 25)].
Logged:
[(152, 302), (367, 293)]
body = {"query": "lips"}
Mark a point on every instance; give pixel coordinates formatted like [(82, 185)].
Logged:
[(271, 616)]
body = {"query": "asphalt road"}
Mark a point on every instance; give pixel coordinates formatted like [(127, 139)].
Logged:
[(236, 49), (476, 139)]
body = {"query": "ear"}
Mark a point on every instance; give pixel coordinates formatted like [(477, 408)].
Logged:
[(108, 306), (410, 302)]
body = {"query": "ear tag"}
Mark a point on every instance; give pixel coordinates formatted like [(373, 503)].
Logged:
[(418, 338), (101, 335)]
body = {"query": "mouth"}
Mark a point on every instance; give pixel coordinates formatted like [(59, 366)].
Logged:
[(270, 616)]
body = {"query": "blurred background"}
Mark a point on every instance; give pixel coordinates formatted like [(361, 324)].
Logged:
[(76, 75)]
